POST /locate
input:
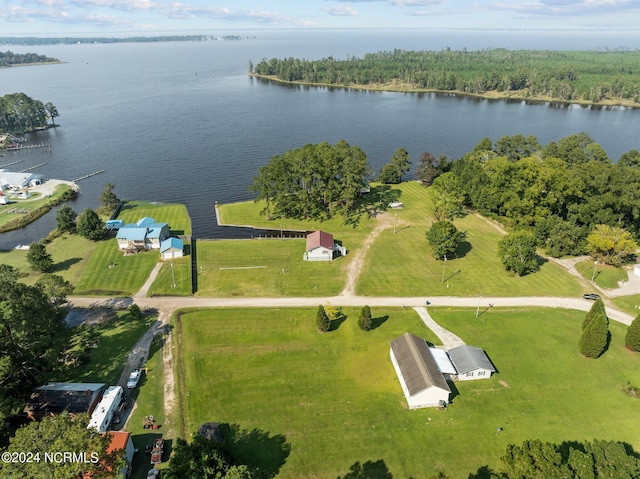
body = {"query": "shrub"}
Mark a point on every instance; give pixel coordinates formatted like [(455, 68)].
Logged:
[(364, 321), (322, 320)]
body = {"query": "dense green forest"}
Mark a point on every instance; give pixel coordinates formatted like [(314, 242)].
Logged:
[(608, 77), (9, 58), (561, 191), (20, 113)]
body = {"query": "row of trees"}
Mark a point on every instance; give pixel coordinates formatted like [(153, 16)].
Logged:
[(20, 113), (9, 58), (565, 76), (326, 314), (312, 182)]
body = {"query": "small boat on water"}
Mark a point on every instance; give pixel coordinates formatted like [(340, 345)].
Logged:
[(22, 246)]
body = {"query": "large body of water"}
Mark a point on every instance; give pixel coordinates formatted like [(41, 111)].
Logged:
[(182, 122)]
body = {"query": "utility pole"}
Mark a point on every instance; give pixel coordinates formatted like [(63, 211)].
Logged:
[(173, 276), (595, 266), (395, 217), (443, 265), (478, 308)]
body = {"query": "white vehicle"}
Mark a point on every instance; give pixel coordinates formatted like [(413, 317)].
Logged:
[(134, 378), (103, 413)]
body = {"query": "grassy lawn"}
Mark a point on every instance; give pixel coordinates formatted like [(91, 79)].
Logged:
[(630, 304), (163, 284), (175, 215), (310, 405), (114, 340), (127, 277), (401, 264), (606, 276), (70, 255), (269, 267), (397, 264)]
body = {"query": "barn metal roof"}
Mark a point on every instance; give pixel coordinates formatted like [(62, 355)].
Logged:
[(318, 239), (469, 358), (419, 369)]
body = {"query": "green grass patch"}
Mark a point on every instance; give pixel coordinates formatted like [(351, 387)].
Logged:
[(125, 278), (606, 276), (630, 304), (269, 267), (70, 255), (321, 402), (402, 264), (103, 349), (175, 215), (163, 284)]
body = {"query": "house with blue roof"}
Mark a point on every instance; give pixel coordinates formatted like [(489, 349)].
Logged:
[(146, 233), (172, 248)]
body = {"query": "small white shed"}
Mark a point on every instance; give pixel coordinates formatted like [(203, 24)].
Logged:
[(319, 246), (422, 382)]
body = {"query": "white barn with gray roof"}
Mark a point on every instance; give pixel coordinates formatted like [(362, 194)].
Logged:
[(471, 363), (422, 382)]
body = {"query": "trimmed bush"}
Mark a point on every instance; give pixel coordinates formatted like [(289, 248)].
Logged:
[(597, 308)]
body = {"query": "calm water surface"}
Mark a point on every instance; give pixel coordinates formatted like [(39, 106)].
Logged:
[(182, 122)]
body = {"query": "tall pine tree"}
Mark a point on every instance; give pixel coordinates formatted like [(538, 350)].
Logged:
[(597, 308), (595, 336), (322, 320), (365, 321)]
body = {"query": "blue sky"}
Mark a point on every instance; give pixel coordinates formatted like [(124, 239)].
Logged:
[(148, 17)]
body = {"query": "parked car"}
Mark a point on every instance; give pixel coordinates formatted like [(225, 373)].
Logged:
[(134, 378), (153, 473), (591, 296)]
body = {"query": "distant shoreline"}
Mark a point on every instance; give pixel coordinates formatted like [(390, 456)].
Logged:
[(490, 95)]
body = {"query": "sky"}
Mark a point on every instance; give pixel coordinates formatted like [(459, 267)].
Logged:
[(149, 17)]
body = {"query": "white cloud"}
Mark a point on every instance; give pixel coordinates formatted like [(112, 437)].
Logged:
[(340, 11)]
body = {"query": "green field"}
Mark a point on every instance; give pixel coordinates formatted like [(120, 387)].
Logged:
[(320, 403), (269, 267), (401, 264), (397, 264), (126, 278)]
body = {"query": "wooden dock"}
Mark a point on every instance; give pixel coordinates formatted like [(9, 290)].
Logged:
[(33, 167), (88, 176), (27, 147), (12, 163)]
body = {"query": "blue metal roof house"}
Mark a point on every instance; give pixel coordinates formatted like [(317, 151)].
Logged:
[(172, 248), (145, 234)]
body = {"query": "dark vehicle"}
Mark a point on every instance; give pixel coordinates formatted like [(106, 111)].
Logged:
[(591, 296)]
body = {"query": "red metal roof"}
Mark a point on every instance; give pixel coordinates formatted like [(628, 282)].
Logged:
[(319, 238)]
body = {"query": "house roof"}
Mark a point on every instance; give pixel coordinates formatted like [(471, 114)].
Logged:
[(119, 440), (172, 242), (54, 398), (155, 230), (443, 361), (132, 234), (469, 358), (319, 239), (416, 364), (146, 221)]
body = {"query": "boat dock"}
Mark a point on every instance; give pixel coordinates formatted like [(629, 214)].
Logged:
[(89, 175), (33, 167)]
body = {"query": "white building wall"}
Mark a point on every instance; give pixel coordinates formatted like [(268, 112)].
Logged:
[(475, 374), (319, 254)]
